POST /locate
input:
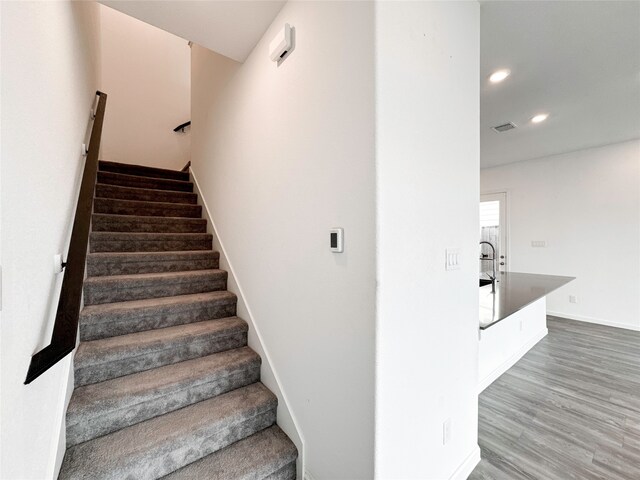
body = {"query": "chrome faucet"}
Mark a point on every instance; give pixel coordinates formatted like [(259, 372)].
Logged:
[(493, 262)]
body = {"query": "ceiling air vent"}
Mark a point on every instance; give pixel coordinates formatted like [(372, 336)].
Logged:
[(504, 128)]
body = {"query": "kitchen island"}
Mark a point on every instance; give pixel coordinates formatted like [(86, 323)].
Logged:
[(512, 320)]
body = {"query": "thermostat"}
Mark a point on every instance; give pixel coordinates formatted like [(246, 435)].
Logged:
[(336, 240)]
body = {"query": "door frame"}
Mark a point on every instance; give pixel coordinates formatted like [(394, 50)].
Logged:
[(506, 227)]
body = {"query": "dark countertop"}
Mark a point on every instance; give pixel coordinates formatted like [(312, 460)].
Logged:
[(515, 291)]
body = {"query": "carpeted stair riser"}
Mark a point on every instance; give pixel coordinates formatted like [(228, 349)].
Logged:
[(142, 171), (268, 454), (130, 223), (115, 206), (161, 445), (102, 408), (288, 472), (108, 320), (123, 288), (145, 194), (110, 178), (148, 242), (102, 264), (115, 357)]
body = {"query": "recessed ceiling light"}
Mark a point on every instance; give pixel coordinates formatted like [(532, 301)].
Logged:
[(499, 75), (541, 117)]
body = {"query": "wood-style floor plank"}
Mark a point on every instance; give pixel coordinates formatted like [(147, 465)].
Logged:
[(569, 409)]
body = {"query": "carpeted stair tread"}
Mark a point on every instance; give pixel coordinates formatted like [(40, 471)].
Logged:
[(142, 170), (145, 194), (122, 288), (122, 263), (135, 181), (119, 318), (143, 208), (163, 444), (254, 458), (101, 408), (111, 357), (148, 242), (105, 222)]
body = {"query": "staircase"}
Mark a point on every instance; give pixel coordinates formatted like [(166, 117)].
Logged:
[(165, 384)]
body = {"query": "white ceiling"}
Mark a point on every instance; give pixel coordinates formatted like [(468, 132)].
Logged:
[(231, 28), (578, 61)]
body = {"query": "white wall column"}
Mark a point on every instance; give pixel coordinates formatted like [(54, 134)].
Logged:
[(427, 149)]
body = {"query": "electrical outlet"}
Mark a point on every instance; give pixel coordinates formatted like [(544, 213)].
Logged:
[(446, 431), (573, 299)]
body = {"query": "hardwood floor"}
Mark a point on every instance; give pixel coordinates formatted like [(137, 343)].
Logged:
[(569, 409)]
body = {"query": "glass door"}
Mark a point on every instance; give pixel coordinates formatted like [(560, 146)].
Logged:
[(493, 229)]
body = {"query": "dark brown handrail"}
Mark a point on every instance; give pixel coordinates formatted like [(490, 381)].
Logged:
[(65, 329), (182, 126)]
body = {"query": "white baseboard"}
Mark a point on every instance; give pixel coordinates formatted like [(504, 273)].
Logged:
[(511, 361), (59, 440), (465, 469), (308, 476), (599, 321)]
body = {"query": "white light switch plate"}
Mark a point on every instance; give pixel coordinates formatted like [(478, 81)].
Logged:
[(539, 243), (446, 431), (452, 259)]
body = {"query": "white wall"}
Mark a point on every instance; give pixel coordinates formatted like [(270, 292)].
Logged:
[(427, 149), (210, 74), (284, 154), (586, 206), (146, 73), (49, 77)]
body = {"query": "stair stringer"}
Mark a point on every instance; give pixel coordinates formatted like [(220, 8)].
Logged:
[(268, 375)]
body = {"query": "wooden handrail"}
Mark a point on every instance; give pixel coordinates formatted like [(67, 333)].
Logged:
[(65, 329)]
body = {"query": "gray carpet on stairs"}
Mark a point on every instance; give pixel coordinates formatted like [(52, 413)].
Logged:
[(125, 180), (119, 263), (143, 171), (109, 319), (148, 242), (122, 288), (100, 360), (161, 445), (267, 454), (104, 407), (106, 222), (144, 194), (166, 386), (116, 206)]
